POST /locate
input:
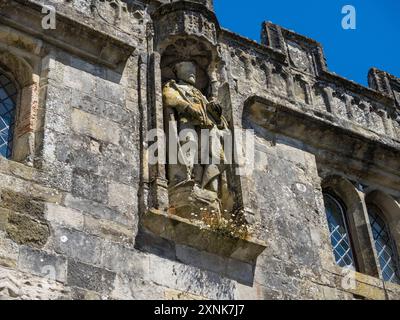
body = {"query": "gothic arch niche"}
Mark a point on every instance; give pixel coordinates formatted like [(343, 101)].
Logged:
[(188, 49), (184, 197), (344, 190), (206, 60), (26, 122)]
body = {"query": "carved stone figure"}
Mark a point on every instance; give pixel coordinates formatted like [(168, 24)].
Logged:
[(199, 177)]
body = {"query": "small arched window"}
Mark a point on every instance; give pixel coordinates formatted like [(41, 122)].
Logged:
[(384, 244), (8, 102), (339, 231)]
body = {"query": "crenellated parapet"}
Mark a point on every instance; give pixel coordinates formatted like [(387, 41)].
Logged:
[(294, 67), (385, 83)]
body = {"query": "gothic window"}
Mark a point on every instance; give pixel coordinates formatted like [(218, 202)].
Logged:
[(8, 97), (339, 231), (385, 245)]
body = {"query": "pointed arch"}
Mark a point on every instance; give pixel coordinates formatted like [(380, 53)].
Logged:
[(357, 221), (20, 72)]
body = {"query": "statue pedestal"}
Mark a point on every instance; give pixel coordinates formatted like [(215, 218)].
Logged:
[(189, 199), (194, 233)]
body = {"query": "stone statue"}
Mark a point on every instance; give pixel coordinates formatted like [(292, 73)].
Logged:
[(191, 180)]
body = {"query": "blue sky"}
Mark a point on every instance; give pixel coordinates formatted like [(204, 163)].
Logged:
[(349, 53)]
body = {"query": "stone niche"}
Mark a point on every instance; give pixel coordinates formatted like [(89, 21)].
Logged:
[(191, 203)]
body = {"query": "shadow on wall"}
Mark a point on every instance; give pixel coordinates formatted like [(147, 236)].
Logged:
[(224, 267)]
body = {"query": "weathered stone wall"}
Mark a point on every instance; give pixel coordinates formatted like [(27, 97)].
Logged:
[(70, 224)]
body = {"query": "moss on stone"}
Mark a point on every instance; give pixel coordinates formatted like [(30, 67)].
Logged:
[(24, 230), (22, 203)]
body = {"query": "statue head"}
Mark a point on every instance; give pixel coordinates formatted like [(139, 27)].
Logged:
[(186, 71)]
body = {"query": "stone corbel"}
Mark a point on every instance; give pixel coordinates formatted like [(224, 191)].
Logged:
[(204, 238)]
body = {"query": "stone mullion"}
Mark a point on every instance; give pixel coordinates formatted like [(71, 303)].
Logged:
[(373, 266)]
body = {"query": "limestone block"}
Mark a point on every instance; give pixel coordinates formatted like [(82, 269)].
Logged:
[(121, 259), (90, 186), (94, 126), (58, 176), (133, 288), (95, 209), (107, 229), (76, 245), (79, 80), (64, 216), (16, 169), (122, 197), (58, 123), (42, 264), (109, 91), (89, 277), (190, 279)]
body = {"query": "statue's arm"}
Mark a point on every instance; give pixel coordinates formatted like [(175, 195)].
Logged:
[(173, 99)]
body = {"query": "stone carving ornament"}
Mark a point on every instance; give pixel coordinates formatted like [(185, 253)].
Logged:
[(298, 57), (192, 184)]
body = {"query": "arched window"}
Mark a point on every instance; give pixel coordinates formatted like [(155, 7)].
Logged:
[(384, 244), (8, 101), (339, 231)]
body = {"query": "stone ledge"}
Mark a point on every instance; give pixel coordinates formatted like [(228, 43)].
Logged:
[(185, 232), (323, 131), (70, 35)]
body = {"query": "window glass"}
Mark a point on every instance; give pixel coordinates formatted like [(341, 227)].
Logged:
[(339, 234), (384, 245), (8, 95)]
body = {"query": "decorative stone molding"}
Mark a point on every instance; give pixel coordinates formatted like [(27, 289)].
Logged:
[(93, 44), (118, 6), (321, 130), (27, 120), (385, 83), (184, 19)]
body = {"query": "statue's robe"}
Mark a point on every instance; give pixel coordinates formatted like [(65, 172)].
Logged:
[(181, 98)]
